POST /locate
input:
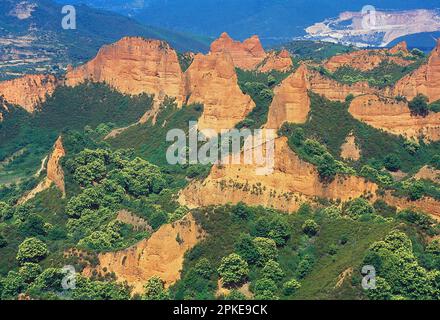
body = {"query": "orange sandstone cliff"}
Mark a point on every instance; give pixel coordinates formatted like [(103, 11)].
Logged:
[(28, 91), (395, 117), (211, 80), (292, 183), (291, 101), (134, 66), (246, 55), (279, 61), (161, 255), (424, 80), (55, 173), (365, 60)]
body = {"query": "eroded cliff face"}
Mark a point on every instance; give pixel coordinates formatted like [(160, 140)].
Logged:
[(134, 66), (365, 60), (246, 55), (28, 91), (334, 90), (291, 102), (424, 80), (395, 117), (211, 80), (279, 61), (161, 255), (292, 183), (349, 149), (426, 204), (55, 173)]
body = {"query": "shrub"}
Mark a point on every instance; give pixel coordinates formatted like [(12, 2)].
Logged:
[(392, 163), (233, 270), (32, 250), (419, 105), (265, 289), (30, 271), (154, 289), (290, 287), (245, 247), (272, 270), (266, 250), (310, 228), (241, 211), (357, 208)]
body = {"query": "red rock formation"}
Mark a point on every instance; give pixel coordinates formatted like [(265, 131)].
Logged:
[(291, 101), (54, 170), (292, 183), (395, 117), (28, 91), (349, 150), (366, 60), (247, 55), (426, 204), (161, 255), (134, 66), (212, 81), (279, 61), (425, 80), (334, 90)]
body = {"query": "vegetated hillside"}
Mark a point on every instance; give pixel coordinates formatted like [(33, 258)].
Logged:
[(33, 38), (122, 196)]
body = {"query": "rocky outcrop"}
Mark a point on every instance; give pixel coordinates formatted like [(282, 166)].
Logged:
[(426, 204), (428, 173), (366, 60), (334, 90), (161, 255), (278, 61), (292, 183), (133, 220), (134, 66), (211, 80), (246, 55), (28, 91), (395, 117), (349, 149), (291, 102), (425, 80), (55, 173)]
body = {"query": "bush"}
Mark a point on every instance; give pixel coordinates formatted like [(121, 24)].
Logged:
[(392, 163), (265, 289), (272, 270), (435, 162), (419, 105), (290, 287), (266, 250), (357, 208), (241, 211), (30, 271), (154, 289), (310, 228), (245, 247), (32, 250), (233, 270)]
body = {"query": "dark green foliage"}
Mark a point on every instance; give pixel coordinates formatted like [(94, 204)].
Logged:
[(435, 106), (310, 228), (315, 50), (357, 208), (419, 105), (392, 163), (420, 219), (275, 228), (241, 211), (265, 289), (32, 250), (155, 290), (233, 270)]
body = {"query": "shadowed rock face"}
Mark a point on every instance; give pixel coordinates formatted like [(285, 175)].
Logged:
[(246, 55), (291, 101), (366, 60), (395, 117), (425, 80), (211, 80), (161, 255), (134, 66), (292, 183), (28, 91)]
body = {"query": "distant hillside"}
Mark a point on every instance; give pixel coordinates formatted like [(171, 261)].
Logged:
[(32, 39), (274, 21)]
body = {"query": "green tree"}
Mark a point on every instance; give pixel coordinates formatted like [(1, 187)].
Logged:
[(357, 208), (290, 287), (233, 270), (204, 268), (265, 289), (6, 211), (241, 211), (272, 270), (392, 162), (154, 289), (246, 249), (419, 105), (12, 285), (435, 162), (235, 295), (266, 250), (29, 271), (310, 228), (3, 241), (32, 250)]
